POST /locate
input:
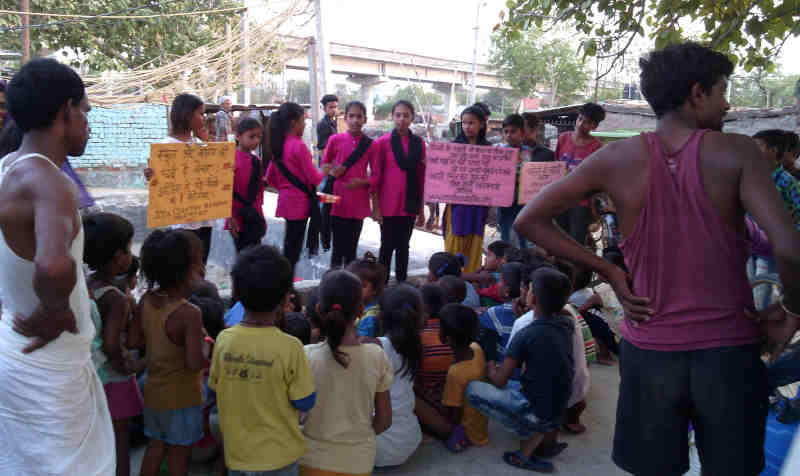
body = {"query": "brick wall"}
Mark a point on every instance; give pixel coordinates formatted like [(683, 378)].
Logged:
[(120, 144)]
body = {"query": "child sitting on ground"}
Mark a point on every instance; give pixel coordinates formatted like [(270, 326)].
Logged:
[(402, 320), (544, 348), (446, 264), (583, 351), (177, 349), (312, 315), (487, 277), (352, 381), (459, 328), (107, 251), (496, 323), (373, 277), (260, 374), (453, 288), (296, 325), (436, 360)]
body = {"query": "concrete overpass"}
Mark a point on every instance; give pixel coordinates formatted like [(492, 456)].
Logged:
[(370, 67)]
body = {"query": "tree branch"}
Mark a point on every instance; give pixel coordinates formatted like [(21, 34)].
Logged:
[(622, 52), (733, 26)]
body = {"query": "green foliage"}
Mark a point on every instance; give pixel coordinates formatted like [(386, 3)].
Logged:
[(501, 103), (298, 91), (414, 94), (527, 61), (759, 89), (117, 44), (749, 31), (605, 94)]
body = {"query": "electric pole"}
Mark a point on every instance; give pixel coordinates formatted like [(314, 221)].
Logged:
[(323, 51), (472, 91), (25, 6)]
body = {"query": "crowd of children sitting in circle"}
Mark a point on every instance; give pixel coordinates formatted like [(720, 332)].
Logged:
[(348, 380)]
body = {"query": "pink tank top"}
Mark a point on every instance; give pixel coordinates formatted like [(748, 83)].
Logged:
[(687, 260)]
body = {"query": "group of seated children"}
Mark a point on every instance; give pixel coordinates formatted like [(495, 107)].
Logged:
[(345, 386)]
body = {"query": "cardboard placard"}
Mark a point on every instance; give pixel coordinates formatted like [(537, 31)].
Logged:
[(470, 174), (191, 182), (537, 175)]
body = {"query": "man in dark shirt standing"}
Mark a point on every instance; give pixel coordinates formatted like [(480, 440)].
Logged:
[(327, 126), (325, 130)]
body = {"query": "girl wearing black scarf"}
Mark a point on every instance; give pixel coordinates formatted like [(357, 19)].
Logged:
[(399, 179), (296, 177)]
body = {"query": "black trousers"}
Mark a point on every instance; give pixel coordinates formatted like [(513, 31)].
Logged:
[(395, 236), (293, 239), (325, 228), (346, 232), (204, 233), (722, 391), (575, 222)]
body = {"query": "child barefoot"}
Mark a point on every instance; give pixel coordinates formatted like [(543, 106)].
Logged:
[(260, 374), (352, 382), (176, 352), (373, 278), (544, 347), (459, 328), (107, 251)]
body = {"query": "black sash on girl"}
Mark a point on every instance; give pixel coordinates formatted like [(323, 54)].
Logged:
[(409, 165), (312, 242), (354, 157)]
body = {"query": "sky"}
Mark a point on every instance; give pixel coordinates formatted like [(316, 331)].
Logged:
[(439, 28)]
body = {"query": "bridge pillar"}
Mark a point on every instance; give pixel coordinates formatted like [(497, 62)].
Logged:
[(448, 90), (368, 84)]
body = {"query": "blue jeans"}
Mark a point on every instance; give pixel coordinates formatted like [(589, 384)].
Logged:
[(505, 220), (508, 406), (290, 470)]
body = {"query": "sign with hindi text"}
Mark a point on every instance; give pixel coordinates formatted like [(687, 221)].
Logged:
[(191, 182), (470, 174), (537, 175)]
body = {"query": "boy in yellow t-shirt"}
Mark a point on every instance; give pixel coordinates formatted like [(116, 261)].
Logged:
[(262, 378), (458, 329)]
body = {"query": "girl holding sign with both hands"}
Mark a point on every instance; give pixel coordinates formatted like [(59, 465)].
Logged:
[(463, 225)]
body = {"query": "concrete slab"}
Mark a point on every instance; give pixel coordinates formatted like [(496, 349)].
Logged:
[(588, 454)]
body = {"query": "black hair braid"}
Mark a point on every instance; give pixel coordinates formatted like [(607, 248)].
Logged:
[(280, 123)]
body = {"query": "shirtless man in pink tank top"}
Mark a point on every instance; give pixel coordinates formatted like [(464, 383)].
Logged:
[(691, 349)]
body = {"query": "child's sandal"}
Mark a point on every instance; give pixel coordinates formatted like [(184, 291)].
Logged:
[(514, 458)]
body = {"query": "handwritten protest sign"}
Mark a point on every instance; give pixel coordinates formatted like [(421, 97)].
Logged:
[(191, 182), (470, 174), (536, 175)]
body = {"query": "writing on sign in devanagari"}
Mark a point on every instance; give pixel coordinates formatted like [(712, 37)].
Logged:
[(470, 174), (193, 182)]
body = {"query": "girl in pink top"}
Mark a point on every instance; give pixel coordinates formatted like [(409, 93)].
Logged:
[(246, 224), (397, 183), (351, 183), (294, 175)]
